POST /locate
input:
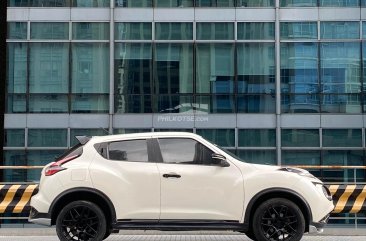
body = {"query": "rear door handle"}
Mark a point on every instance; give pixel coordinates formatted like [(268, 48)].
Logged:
[(171, 175)]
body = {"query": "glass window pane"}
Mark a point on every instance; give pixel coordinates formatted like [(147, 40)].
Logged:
[(130, 131), (130, 151), (40, 158), (133, 3), (85, 132), (256, 68), (310, 158), (267, 157), (260, 103), (47, 138), (173, 68), (339, 30), (88, 3), (300, 103), (15, 158), (14, 138), (49, 31), (17, 30), (339, 3), (17, 67), (215, 68), (257, 138), (172, 130), (16, 103), (255, 3), (334, 103), (48, 103), (49, 3), (214, 3), (221, 137), (363, 3), (90, 31), (49, 68), (300, 138), (215, 31), (299, 30), (215, 104), (364, 29), (18, 3), (84, 103), (174, 104), (133, 103), (132, 31), (340, 67), (173, 3), (298, 3), (342, 138), (90, 68), (254, 31), (173, 31)]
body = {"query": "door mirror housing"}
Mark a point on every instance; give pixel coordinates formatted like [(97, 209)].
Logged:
[(219, 160)]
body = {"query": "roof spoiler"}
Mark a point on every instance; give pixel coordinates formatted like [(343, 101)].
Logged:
[(83, 139)]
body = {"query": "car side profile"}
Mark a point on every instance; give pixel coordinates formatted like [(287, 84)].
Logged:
[(174, 181)]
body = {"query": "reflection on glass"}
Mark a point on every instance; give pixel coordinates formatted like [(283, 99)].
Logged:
[(174, 104), (259, 103), (49, 68), (256, 68), (257, 138), (255, 3), (173, 31), (339, 3), (267, 157), (256, 31), (133, 103), (173, 3), (339, 30), (300, 103), (14, 138), (17, 67), (49, 3), (133, 3), (133, 31), (214, 68), (90, 31), (214, 3), (299, 3), (173, 68), (17, 30), (16, 103), (221, 137), (300, 138), (215, 31), (47, 138), (342, 138), (131, 151), (335, 103), (89, 3), (301, 158), (89, 103), (48, 103), (49, 30), (90, 68), (299, 30), (215, 104)]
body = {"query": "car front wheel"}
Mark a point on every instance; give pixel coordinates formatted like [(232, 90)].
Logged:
[(81, 220), (278, 219)]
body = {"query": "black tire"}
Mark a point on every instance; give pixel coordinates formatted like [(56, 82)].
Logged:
[(81, 220), (250, 235), (278, 219), (107, 234)]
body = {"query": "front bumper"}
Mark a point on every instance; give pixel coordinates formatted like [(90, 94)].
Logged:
[(319, 226), (39, 218)]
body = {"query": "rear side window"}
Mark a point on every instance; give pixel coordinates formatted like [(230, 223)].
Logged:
[(130, 150)]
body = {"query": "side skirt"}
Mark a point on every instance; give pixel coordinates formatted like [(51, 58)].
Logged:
[(180, 225)]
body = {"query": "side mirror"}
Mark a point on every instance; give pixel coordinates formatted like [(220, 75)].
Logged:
[(219, 160)]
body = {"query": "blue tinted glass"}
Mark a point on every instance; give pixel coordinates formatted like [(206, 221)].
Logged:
[(48, 103), (300, 103), (342, 138), (47, 138), (214, 3), (336, 103), (260, 103), (215, 104), (49, 3), (17, 30), (89, 103), (339, 30), (17, 67), (89, 3), (215, 31), (14, 137), (255, 3), (133, 103), (173, 3), (133, 31), (257, 138), (221, 137), (339, 3), (256, 31), (174, 104), (49, 30), (267, 157), (299, 30), (16, 103), (133, 3), (298, 3), (301, 158)]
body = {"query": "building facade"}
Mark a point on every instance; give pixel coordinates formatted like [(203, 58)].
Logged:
[(274, 81)]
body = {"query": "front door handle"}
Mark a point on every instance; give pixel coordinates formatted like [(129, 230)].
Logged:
[(171, 175)]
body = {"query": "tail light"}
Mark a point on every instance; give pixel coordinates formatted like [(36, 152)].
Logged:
[(57, 166)]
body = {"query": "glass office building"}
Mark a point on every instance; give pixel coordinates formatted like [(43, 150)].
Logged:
[(274, 81)]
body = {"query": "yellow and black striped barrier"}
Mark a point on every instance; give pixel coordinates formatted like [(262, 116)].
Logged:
[(348, 198), (16, 198)]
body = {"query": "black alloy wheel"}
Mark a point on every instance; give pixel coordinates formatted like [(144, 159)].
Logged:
[(278, 219), (81, 220)]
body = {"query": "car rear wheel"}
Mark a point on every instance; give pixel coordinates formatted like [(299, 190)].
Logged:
[(278, 219), (81, 220)]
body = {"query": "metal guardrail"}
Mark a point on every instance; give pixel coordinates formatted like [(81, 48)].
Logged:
[(349, 198)]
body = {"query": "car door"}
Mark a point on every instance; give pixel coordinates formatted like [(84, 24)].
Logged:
[(126, 172), (192, 188)]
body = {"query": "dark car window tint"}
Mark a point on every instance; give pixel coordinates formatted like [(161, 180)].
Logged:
[(184, 151), (132, 151)]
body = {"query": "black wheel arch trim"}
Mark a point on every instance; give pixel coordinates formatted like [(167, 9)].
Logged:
[(88, 190), (248, 211)]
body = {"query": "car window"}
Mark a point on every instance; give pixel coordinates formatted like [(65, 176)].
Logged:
[(131, 151), (184, 151)]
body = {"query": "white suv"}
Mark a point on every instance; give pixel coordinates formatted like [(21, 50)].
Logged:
[(174, 181)]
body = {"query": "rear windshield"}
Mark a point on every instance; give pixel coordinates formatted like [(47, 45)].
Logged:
[(76, 150)]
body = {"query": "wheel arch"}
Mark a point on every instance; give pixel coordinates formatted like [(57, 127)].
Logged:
[(278, 193), (87, 194)]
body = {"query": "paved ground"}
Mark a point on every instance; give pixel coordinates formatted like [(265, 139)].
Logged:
[(116, 237)]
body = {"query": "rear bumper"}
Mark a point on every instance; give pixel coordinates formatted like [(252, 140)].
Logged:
[(39, 218)]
